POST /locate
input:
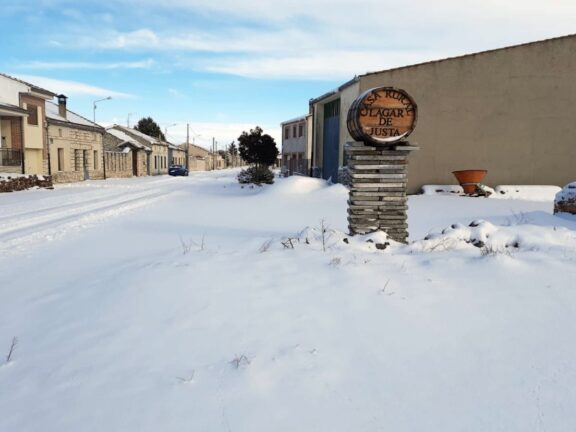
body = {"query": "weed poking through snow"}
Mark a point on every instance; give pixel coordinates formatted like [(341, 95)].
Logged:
[(12, 349), (240, 361)]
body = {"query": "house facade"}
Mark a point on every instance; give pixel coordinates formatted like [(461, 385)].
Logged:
[(509, 111), (75, 144), (159, 158), (176, 155), (199, 159), (296, 148), (117, 144), (24, 144)]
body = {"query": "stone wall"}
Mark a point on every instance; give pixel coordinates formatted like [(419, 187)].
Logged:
[(21, 182), (118, 164)]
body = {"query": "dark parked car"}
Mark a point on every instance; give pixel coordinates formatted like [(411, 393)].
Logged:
[(177, 170)]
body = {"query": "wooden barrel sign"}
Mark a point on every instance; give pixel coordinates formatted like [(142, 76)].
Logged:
[(382, 116)]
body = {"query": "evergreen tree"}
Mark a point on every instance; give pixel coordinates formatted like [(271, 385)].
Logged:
[(149, 127), (257, 148)]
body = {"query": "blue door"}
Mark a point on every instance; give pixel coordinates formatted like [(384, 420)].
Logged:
[(331, 140)]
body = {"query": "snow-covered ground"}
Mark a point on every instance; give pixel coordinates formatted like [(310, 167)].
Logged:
[(172, 304)]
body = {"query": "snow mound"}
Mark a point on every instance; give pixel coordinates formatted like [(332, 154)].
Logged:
[(492, 239), (296, 185), (442, 189), (530, 193), (567, 193)]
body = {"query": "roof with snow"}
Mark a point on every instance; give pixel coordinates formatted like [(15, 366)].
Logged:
[(52, 113), (147, 138), (294, 120), (125, 138)]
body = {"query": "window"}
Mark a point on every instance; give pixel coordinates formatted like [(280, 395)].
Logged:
[(77, 160), (155, 162), (286, 132), (300, 130), (60, 159), (95, 159), (32, 114), (59, 132), (294, 131)]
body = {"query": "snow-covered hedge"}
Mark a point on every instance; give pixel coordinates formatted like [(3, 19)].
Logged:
[(565, 201)]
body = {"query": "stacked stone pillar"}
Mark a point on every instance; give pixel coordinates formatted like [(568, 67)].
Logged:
[(378, 180)]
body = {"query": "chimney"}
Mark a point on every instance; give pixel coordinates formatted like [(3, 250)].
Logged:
[(62, 105)]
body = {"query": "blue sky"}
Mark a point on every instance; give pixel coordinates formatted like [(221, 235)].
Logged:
[(228, 65)]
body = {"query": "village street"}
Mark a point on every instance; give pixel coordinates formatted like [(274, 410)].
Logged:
[(190, 303)]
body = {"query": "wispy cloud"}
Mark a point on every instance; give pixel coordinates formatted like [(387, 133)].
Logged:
[(70, 88), (39, 65)]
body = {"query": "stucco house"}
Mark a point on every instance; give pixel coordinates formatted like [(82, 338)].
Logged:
[(24, 144), (75, 144), (296, 145), (510, 111), (199, 159)]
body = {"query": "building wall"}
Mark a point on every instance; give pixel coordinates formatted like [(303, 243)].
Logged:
[(118, 164), (197, 163), (346, 96), (198, 158), (510, 111), (36, 151), (159, 159), (10, 90), (70, 139), (178, 157)]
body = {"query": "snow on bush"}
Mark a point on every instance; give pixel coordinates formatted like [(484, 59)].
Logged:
[(565, 200)]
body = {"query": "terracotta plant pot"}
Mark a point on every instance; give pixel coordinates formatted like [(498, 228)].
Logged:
[(469, 179)]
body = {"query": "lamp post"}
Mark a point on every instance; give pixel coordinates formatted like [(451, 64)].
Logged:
[(166, 130), (94, 106)]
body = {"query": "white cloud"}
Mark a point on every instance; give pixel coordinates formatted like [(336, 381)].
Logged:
[(327, 38), (334, 65), (70, 88), (142, 64)]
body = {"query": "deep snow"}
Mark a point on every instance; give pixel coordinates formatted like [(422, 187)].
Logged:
[(172, 304)]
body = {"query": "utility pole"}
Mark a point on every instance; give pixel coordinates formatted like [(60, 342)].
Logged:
[(187, 146), (128, 119)]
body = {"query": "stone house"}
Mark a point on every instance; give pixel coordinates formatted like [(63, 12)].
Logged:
[(296, 146), (158, 160), (117, 142), (509, 111), (75, 144), (24, 144)]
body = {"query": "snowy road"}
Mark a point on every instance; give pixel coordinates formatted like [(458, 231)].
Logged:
[(176, 304)]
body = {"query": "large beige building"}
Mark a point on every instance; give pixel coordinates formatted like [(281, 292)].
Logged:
[(510, 111), (75, 144), (23, 145)]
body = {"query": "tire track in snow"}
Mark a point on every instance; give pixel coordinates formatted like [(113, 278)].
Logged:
[(56, 222)]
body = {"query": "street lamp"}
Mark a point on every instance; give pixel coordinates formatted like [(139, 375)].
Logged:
[(166, 130), (94, 106)]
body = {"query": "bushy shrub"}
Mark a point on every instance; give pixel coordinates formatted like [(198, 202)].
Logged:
[(256, 175)]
